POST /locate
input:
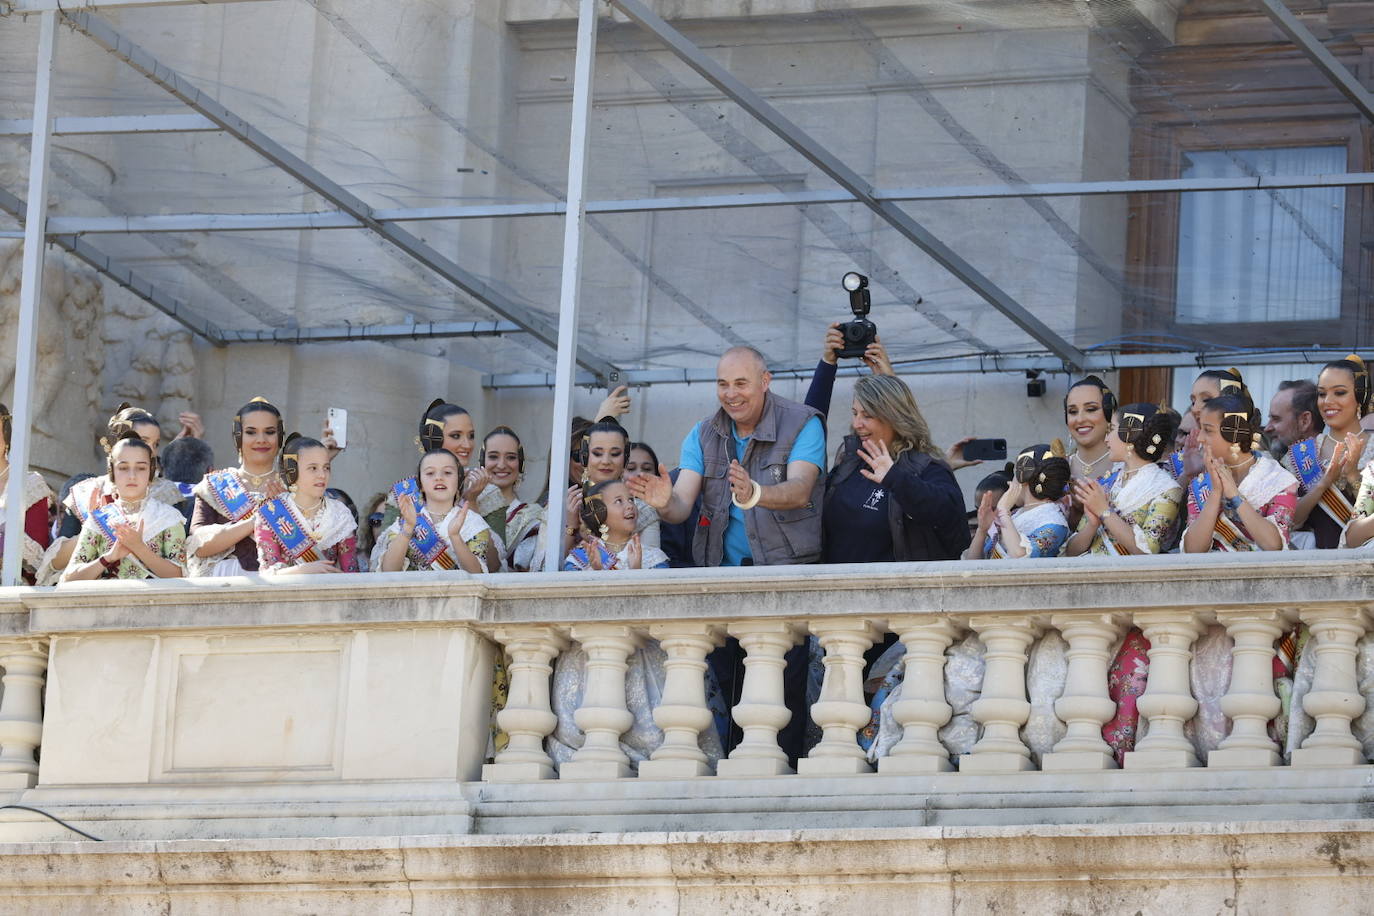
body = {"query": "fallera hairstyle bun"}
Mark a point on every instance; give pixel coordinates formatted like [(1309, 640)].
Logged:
[(431, 435), (124, 419), (1044, 470), (594, 513), (1239, 421), (1148, 429), (1108, 398), (1229, 381), (132, 438)]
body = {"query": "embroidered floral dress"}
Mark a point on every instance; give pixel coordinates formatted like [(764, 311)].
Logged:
[(1043, 529), (1151, 501), (210, 516), (1364, 503), (1270, 489), (515, 527), (332, 527), (476, 533), (164, 529)]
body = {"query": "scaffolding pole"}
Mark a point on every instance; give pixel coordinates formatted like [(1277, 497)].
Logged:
[(568, 294), (30, 297)]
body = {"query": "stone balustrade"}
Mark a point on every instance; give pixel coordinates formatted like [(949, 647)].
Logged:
[(363, 703)]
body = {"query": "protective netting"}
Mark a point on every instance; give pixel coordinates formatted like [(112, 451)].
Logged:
[(411, 106)]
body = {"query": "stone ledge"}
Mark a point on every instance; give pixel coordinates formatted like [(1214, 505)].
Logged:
[(1151, 868)]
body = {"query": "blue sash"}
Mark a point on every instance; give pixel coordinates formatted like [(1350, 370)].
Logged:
[(1202, 488), (106, 517), (1307, 462), (235, 503), (1175, 460), (187, 490), (408, 487), (288, 529), (427, 543), (1109, 480), (1225, 534)]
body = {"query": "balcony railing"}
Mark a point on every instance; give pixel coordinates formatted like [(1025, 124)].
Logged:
[(355, 705)]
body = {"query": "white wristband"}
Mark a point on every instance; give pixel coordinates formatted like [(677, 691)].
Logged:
[(753, 498)]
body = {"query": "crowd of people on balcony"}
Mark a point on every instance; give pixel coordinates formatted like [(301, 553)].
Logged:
[(752, 485)]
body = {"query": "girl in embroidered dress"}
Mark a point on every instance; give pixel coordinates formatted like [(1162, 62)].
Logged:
[(97, 490), (1139, 512), (1188, 461), (223, 524), (515, 522), (1038, 528), (134, 537), (36, 533), (1328, 465), (306, 530), (1245, 499), (435, 530), (609, 517)]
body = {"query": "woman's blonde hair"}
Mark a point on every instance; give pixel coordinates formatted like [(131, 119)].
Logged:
[(888, 398)]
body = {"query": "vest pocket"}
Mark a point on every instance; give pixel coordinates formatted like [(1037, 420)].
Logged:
[(801, 531)]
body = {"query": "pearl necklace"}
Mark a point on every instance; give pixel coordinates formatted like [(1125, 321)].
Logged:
[(131, 507)]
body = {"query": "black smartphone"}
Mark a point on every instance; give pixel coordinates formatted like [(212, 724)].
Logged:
[(985, 450)]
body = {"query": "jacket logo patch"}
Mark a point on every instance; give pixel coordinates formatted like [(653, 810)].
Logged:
[(777, 474), (874, 499)]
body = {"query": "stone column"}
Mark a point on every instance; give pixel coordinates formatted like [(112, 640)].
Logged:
[(1002, 708), (762, 709), (1335, 696), (683, 713), (841, 710), (1168, 699), (21, 710), (603, 715), (1250, 701), (527, 718), (922, 710), (1085, 706)]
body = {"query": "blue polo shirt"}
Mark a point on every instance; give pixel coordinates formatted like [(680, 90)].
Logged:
[(810, 446)]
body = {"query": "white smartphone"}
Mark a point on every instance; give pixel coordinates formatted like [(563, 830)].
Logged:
[(337, 418)]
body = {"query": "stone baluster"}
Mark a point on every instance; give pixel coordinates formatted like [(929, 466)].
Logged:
[(21, 710), (1334, 699), (527, 718), (1250, 701), (762, 709), (603, 715), (841, 710), (922, 710), (683, 713), (1002, 708), (1168, 699), (1085, 706)]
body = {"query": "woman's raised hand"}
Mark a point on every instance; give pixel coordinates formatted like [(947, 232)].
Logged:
[(654, 489), (875, 454), (954, 455), (474, 483), (987, 510), (876, 358), (616, 404), (1091, 496), (834, 341), (1010, 498)]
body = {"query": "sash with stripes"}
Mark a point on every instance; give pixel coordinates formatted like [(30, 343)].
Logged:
[(1111, 543), (106, 517), (1225, 535), (427, 543), (235, 503), (408, 487), (289, 530), (1306, 456)]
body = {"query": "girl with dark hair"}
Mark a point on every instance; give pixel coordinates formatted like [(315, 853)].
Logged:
[(37, 495), (1028, 520), (135, 536), (1245, 499), (1188, 461), (1139, 512), (223, 525), (1088, 410), (642, 460), (609, 540), (1329, 465), (436, 529), (306, 530), (891, 496), (515, 522)]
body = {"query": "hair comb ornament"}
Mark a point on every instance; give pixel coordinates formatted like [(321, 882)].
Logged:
[(1131, 426)]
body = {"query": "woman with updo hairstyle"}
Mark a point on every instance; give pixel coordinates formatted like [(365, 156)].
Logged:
[(223, 523), (1088, 410), (1188, 461), (1028, 520), (305, 530), (514, 523), (134, 536), (890, 496), (1244, 500), (1331, 465), (1139, 512), (37, 495)]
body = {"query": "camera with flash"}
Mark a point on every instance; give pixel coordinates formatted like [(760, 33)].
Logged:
[(860, 332)]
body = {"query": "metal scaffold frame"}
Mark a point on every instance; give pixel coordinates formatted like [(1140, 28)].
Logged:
[(575, 364)]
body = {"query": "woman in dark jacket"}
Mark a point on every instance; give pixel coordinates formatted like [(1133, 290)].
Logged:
[(890, 495)]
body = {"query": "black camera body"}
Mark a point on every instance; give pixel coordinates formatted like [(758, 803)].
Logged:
[(860, 332)]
